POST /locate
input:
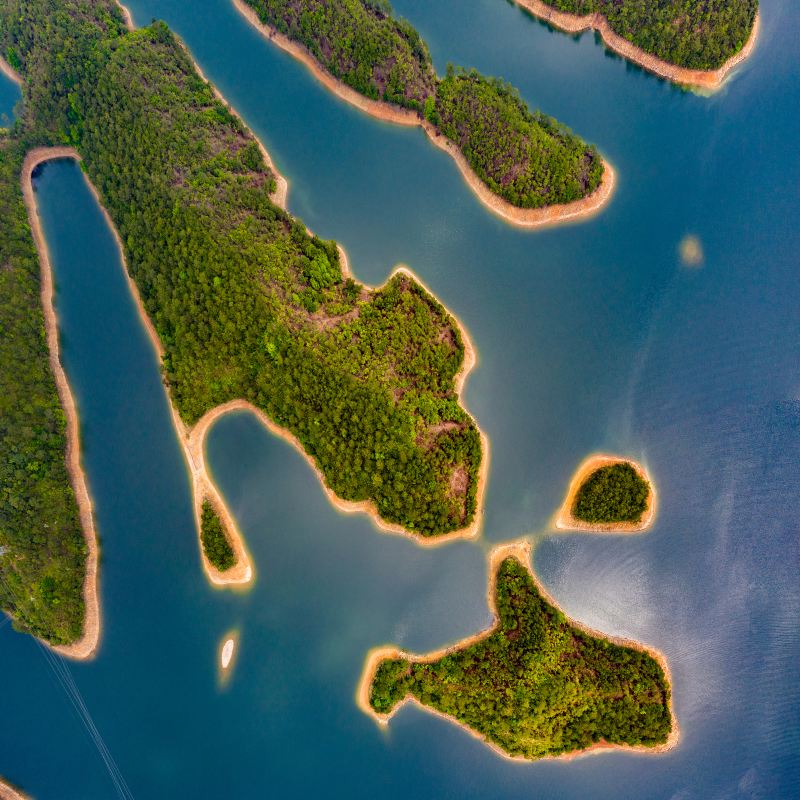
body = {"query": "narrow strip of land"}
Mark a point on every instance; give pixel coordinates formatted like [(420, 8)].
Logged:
[(702, 79), (522, 552), (565, 520), (86, 646), (523, 217)]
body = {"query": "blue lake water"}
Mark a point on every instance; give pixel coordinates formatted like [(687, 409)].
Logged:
[(591, 336), (9, 97)]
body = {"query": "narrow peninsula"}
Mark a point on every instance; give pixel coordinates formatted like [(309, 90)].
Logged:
[(696, 44), (525, 166), (246, 308), (536, 684), (608, 494), (48, 545)]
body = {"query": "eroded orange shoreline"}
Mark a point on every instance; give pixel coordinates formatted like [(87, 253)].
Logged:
[(565, 521), (524, 217), (522, 552), (87, 645), (703, 79)]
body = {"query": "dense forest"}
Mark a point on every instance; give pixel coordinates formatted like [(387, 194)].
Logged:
[(216, 546), (246, 302), (42, 548), (616, 493), (525, 157), (537, 685), (695, 34)]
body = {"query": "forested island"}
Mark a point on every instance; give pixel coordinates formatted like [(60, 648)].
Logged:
[(536, 684), (248, 306), (528, 161), (608, 494), (695, 43)]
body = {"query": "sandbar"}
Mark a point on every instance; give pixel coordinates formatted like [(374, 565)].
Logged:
[(523, 217), (702, 79), (564, 520), (520, 550), (227, 653)]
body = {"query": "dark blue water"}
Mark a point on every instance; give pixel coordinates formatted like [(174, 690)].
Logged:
[(9, 97), (592, 336)]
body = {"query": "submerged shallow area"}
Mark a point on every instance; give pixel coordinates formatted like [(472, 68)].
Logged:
[(591, 337)]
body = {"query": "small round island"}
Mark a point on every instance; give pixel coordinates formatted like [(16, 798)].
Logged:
[(608, 494)]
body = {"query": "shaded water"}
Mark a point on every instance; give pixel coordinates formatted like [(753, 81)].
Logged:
[(592, 336), (9, 97)]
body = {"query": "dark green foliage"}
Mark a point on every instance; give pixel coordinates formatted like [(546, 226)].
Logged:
[(215, 544), (537, 685), (525, 157), (391, 684), (42, 549), (616, 493), (696, 34), (360, 43), (247, 304)]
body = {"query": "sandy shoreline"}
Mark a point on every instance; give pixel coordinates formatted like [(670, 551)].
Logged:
[(564, 520), (522, 551), (8, 792), (703, 79), (524, 217), (11, 73), (87, 645)]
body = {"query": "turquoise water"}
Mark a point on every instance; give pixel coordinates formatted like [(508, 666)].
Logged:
[(591, 336)]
